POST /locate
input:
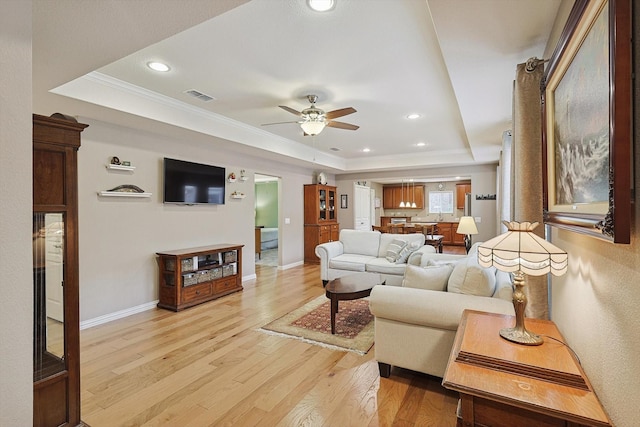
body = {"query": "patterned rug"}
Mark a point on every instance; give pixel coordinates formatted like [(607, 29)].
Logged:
[(312, 323)]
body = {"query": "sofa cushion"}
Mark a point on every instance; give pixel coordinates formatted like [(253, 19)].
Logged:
[(410, 248), (350, 262), (504, 286), (360, 242), (394, 248), (433, 278), (382, 266), (468, 277), (387, 238), (416, 257)]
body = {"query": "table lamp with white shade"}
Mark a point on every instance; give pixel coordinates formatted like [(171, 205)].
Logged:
[(521, 252), (467, 226)]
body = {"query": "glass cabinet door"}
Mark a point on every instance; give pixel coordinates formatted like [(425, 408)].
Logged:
[(322, 194), (48, 274), (332, 205)]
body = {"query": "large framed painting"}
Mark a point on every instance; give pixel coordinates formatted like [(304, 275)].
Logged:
[(587, 129)]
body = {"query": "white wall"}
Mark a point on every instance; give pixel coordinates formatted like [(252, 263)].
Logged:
[(119, 237), (596, 305), (16, 258)]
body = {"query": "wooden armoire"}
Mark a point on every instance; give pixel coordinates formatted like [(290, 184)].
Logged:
[(56, 330)]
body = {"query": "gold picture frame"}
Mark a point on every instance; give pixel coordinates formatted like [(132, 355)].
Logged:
[(587, 139)]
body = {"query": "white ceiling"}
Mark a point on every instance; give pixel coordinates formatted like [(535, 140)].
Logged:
[(451, 61)]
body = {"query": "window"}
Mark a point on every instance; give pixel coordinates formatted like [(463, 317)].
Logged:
[(440, 202)]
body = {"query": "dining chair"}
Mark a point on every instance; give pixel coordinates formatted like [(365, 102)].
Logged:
[(396, 228)]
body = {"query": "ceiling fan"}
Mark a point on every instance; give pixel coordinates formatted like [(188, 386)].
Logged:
[(313, 119)]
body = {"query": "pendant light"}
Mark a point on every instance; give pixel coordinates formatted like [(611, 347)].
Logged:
[(402, 194), (413, 205)]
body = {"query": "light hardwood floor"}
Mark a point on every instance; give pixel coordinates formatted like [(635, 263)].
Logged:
[(209, 366)]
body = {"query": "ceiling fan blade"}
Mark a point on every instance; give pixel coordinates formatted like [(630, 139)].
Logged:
[(291, 110), (339, 113), (341, 125), (276, 123)]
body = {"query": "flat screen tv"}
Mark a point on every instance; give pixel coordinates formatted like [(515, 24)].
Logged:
[(191, 183)]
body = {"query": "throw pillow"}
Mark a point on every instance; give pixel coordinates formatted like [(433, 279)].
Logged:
[(438, 263), (394, 248), (472, 279), (428, 278), (408, 250)]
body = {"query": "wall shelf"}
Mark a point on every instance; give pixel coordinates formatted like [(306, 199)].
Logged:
[(120, 167), (122, 194)]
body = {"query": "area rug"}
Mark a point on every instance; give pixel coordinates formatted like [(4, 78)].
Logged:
[(312, 323)]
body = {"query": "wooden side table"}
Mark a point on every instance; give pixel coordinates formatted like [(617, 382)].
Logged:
[(506, 384), (434, 240), (258, 240)]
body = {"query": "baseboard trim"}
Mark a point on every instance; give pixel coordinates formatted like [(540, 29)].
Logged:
[(249, 277), (118, 315), (292, 265)]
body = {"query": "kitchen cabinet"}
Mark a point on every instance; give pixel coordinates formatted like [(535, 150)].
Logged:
[(461, 190), (458, 239), (445, 229), (392, 196)]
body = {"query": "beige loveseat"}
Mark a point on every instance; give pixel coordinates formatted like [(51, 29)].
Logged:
[(370, 251), (416, 322)]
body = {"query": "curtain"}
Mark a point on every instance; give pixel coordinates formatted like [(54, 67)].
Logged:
[(505, 190), (527, 169)]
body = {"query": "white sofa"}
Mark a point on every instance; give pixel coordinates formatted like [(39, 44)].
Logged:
[(358, 251), (416, 323)]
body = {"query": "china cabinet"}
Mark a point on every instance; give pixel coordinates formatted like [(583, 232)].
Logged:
[(320, 218)]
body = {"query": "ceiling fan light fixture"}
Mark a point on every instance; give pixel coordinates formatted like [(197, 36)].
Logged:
[(312, 127), (321, 5)]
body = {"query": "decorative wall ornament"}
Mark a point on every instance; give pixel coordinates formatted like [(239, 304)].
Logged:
[(127, 188)]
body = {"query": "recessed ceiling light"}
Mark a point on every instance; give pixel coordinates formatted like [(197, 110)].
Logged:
[(158, 66), (413, 116), (321, 5), (421, 144), (366, 150), (334, 149)]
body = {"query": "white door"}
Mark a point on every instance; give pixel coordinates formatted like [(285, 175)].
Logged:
[(362, 207)]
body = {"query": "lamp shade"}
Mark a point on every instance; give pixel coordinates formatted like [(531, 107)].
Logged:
[(467, 226), (519, 249), (311, 127)]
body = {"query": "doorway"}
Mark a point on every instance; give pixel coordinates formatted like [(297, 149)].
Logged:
[(266, 218)]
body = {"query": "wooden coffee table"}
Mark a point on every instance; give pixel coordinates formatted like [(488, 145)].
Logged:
[(350, 287)]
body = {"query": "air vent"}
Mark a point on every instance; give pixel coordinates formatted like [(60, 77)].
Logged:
[(197, 94)]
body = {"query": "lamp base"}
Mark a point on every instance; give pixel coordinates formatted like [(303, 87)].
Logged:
[(467, 242), (521, 336)]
